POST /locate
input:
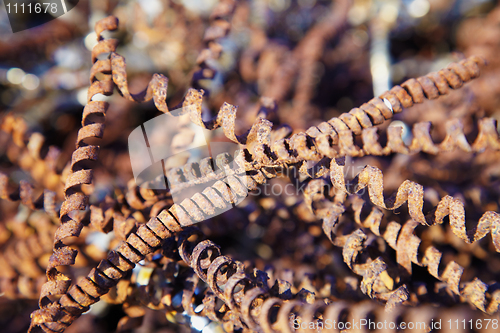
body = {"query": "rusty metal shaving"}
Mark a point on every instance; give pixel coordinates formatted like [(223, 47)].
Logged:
[(356, 219)]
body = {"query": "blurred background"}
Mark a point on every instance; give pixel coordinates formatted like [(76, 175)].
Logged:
[(314, 59)]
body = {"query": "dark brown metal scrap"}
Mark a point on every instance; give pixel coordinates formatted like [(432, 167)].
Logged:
[(376, 281), (253, 306), (149, 236), (334, 138), (79, 297), (406, 243), (413, 194), (250, 302)]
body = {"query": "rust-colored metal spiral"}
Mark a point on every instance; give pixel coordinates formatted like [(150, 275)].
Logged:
[(403, 240), (303, 146), (81, 173), (376, 283), (253, 169), (422, 141), (56, 316), (413, 194), (87, 291), (251, 305), (27, 153), (334, 137)]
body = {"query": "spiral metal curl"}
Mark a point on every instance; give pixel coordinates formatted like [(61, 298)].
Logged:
[(251, 306), (402, 238), (376, 282), (413, 194), (422, 142), (75, 199), (249, 303), (406, 244), (334, 138), (140, 243), (58, 315), (303, 146)]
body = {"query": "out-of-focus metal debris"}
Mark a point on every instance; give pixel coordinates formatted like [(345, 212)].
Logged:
[(334, 222)]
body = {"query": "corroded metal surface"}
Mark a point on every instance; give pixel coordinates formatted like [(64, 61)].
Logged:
[(158, 259)]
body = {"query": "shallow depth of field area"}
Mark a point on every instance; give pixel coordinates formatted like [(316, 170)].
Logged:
[(250, 166)]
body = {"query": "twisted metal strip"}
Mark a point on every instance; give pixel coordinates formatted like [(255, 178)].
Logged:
[(376, 282), (222, 275), (407, 248), (158, 284), (250, 299), (58, 315), (109, 271), (181, 216), (208, 169), (157, 87), (334, 137), (75, 199), (228, 282), (139, 243), (229, 184), (251, 306), (302, 146), (192, 104), (413, 194), (196, 209), (406, 244), (455, 138)]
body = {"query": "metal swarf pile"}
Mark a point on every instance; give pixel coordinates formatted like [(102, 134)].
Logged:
[(392, 217)]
